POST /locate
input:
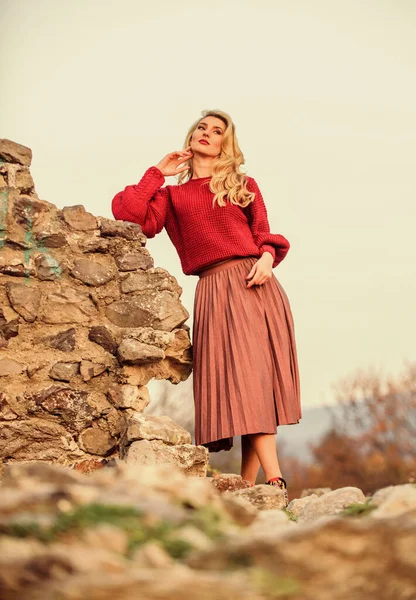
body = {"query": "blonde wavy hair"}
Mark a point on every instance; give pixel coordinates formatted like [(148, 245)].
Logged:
[(227, 180)]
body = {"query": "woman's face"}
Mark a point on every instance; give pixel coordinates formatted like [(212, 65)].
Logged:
[(207, 137)]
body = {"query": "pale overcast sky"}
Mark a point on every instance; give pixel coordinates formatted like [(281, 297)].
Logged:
[(323, 95)]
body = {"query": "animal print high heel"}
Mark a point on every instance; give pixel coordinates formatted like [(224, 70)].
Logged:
[(281, 483)]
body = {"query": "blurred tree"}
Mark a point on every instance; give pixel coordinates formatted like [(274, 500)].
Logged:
[(372, 442)]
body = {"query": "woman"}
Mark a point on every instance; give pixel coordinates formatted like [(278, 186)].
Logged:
[(245, 369)]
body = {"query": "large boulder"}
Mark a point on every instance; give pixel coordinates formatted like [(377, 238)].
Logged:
[(86, 320)]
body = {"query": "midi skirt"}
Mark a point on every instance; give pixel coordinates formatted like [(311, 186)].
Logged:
[(245, 366)]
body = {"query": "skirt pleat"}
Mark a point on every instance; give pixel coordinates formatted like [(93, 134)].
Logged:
[(245, 367)]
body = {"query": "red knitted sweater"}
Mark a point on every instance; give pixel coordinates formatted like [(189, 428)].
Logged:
[(202, 234)]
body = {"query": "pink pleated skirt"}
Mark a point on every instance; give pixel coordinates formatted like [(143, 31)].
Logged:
[(245, 366)]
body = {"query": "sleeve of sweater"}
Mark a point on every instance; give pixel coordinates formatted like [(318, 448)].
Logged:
[(256, 211), (145, 203)]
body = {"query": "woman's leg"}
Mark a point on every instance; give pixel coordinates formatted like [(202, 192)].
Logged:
[(265, 446), (250, 463)]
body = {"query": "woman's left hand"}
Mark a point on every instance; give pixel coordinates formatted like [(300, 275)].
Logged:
[(261, 270)]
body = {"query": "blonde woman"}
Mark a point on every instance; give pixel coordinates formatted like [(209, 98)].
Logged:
[(245, 368)]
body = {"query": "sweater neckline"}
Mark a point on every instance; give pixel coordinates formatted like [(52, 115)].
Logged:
[(199, 178)]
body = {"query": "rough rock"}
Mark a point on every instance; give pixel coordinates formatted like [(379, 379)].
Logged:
[(8, 328), (262, 497), (15, 153), (6, 411), (333, 559), (162, 310), (47, 268), (394, 501), (63, 371), (315, 491), (102, 336), (36, 439), (297, 505), (69, 405), (151, 531), (79, 219), (151, 427), (60, 369), (64, 340), (129, 396), (51, 240), (93, 272), (132, 352), (67, 305), (122, 229), (133, 260), (192, 460), (89, 369), (24, 299), (9, 367), (96, 441), (26, 213), (224, 482), (150, 280), (331, 503), (153, 556)]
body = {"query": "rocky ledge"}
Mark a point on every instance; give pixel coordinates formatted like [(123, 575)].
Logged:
[(152, 532), (86, 321)]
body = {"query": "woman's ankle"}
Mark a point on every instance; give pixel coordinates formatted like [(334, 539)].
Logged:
[(273, 475)]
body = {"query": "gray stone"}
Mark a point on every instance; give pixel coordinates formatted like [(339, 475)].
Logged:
[(224, 482), (28, 211), (152, 555), (8, 329), (129, 396), (153, 337), (192, 460), (297, 505), (151, 427), (162, 310), (24, 181), (150, 280), (6, 411), (63, 341), (9, 367), (262, 497), (36, 439), (78, 218), (70, 406), (95, 245), (132, 352), (331, 503), (47, 268), (103, 337), (67, 305), (394, 501), (92, 272), (130, 261), (64, 371), (25, 300), (122, 229), (15, 153), (96, 441), (90, 369), (315, 491), (51, 240)]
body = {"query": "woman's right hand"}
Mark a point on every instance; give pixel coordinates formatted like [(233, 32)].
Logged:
[(172, 163)]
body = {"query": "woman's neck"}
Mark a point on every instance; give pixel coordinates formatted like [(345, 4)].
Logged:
[(201, 168)]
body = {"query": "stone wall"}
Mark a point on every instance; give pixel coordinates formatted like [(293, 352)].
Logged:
[(86, 320)]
